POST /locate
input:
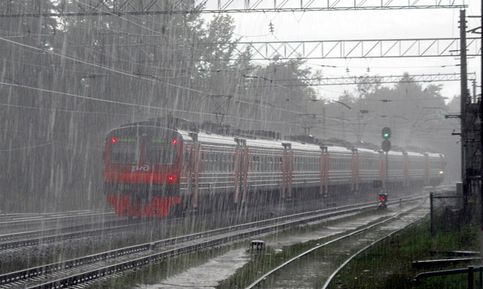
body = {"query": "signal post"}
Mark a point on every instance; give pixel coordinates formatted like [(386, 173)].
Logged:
[(385, 146)]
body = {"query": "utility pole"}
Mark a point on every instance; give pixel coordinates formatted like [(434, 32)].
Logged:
[(463, 104), (359, 120), (473, 82), (324, 132), (480, 114)]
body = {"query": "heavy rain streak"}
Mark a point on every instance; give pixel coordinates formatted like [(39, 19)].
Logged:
[(239, 144)]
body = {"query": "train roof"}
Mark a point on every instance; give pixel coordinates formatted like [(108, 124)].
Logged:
[(338, 149), (395, 153), (216, 139), (434, 155), (303, 146), (367, 151), (263, 143), (414, 154), (220, 139)]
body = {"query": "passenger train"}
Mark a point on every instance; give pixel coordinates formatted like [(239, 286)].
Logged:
[(151, 170)]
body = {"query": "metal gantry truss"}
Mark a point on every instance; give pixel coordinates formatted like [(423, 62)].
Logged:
[(234, 6), (351, 80), (145, 7), (371, 48)]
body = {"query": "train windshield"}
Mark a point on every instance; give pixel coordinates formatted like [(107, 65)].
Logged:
[(149, 145), (124, 150), (160, 150)]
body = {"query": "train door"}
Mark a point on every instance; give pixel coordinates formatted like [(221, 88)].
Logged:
[(355, 170), (194, 167), (287, 171), (427, 172), (406, 169), (324, 172), (241, 164)]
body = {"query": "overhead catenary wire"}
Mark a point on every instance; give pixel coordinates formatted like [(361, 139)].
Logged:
[(120, 72), (165, 109)]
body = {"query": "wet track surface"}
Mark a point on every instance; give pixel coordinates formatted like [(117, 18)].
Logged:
[(221, 267), (134, 255), (313, 270)]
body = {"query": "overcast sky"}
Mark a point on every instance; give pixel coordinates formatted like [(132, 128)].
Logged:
[(343, 25)]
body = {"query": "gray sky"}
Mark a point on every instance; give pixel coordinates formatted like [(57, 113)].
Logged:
[(343, 25)]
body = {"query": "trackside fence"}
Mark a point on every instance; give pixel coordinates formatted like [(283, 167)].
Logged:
[(470, 271), (445, 211)]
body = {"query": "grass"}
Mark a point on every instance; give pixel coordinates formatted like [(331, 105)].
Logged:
[(388, 264)]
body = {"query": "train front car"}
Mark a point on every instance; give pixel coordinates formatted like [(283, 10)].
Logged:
[(142, 170)]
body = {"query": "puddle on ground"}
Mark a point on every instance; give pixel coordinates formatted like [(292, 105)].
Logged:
[(206, 275)]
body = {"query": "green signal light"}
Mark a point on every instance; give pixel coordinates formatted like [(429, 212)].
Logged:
[(386, 133)]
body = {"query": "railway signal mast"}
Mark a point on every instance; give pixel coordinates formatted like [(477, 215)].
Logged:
[(386, 146)]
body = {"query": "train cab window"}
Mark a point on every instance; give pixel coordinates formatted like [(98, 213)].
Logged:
[(125, 152), (160, 153)]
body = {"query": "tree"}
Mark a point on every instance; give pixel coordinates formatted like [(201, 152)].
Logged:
[(26, 141)]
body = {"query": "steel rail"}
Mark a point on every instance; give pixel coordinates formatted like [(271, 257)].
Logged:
[(28, 221), (103, 256), (60, 237), (345, 236), (19, 215), (348, 260), (42, 233)]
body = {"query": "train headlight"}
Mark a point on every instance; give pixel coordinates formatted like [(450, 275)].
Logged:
[(171, 179), (441, 172)]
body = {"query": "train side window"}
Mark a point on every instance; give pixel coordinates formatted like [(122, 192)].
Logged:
[(210, 161), (226, 162), (206, 160), (222, 162), (272, 163), (256, 163)]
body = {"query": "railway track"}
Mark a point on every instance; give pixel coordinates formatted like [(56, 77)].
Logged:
[(321, 263), (16, 224), (107, 264), (37, 237), (28, 238), (17, 215)]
